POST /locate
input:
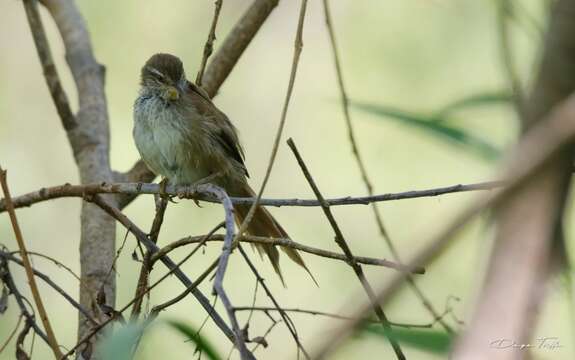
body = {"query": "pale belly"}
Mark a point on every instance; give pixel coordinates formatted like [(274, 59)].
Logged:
[(164, 147)]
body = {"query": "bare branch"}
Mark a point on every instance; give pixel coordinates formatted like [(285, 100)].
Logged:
[(286, 242), (131, 189), (209, 47), (221, 270), (59, 97), (235, 43), (90, 142), (28, 267), (342, 243)]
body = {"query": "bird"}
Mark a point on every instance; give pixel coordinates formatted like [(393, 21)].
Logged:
[(183, 137)]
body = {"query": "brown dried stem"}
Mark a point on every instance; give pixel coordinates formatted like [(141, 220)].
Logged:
[(209, 47), (28, 267), (286, 242)]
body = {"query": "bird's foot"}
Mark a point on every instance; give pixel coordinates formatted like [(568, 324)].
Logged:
[(163, 194)]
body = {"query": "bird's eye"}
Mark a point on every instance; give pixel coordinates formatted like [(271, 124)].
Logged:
[(156, 74)]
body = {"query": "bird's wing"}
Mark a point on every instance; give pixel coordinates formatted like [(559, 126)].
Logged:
[(224, 132)]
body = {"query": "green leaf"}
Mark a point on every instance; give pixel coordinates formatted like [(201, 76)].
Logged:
[(192, 335), (430, 124), (475, 100), (120, 344), (433, 341)]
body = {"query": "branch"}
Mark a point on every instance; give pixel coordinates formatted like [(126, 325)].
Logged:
[(28, 267), (131, 189), (209, 47), (90, 142), (59, 97), (286, 242), (240, 342), (341, 242), (235, 44)]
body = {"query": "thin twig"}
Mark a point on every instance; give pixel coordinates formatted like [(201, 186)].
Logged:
[(340, 240), (286, 242), (161, 206), (363, 170), (209, 47), (68, 190), (48, 67), (28, 267)]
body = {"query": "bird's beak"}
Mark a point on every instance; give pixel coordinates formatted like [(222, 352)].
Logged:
[(171, 93)]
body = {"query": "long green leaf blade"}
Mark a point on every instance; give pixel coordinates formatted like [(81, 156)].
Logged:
[(192, 335)]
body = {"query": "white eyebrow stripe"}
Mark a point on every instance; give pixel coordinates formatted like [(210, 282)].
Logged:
[(155, 71)]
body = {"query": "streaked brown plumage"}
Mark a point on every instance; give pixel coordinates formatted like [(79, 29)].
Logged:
[(184, 137)]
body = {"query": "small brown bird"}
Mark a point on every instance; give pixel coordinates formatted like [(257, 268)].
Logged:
[(182, 136)]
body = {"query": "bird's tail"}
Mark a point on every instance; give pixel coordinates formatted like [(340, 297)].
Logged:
[(264, 224)]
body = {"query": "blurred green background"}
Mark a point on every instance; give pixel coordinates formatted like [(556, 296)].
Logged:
[(414, 55)]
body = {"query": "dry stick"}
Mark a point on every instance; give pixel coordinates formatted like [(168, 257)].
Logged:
[(28, 267), (220, 272), (326, 314), (340, 240), (534, 150), (209, 47), (286, 242), (53, 285), (235, 44), (153, 248), (68, 190), (363, 170), (298, 45), (50, 72), (287, 320), (146, 268)]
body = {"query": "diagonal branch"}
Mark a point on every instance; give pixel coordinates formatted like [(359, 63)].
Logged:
[(209, 47), (28, 267), (341, 242)]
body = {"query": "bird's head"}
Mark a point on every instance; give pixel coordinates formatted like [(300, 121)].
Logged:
[(164, 75)]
